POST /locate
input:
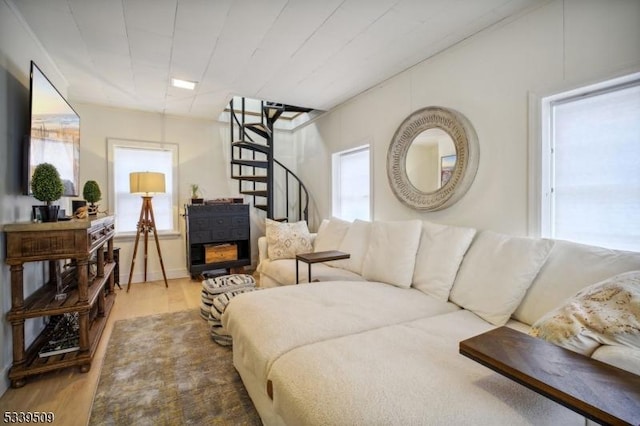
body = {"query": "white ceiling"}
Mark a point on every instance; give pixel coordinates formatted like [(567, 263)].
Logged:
[(311, 53)]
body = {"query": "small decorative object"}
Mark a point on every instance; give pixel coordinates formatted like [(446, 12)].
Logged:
[(81, 212), (47, 186), (61, 288), (91, 193), (195, 194)]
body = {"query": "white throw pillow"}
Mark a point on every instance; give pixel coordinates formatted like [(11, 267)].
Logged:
[(285, 240), (496, 272), (605, 313), (392, 252), (330, 234), (356, 243), (440, 253)]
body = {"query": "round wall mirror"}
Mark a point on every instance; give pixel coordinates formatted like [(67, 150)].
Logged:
[(432, 158)]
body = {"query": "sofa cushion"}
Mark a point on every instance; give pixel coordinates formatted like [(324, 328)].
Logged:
[(605, 313), (392, 251), (570, 268), (285, 240), (283, 271), (267, 324), (404, 374), (619, 356), (440, 253), (330, 234), (356, 243), (496, 272)]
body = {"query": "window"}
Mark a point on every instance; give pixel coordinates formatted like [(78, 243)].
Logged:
[(591, 165), (133, 156), (352, 184)]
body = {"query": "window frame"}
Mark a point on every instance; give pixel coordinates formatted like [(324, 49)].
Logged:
[(540, 152), (112, 145), (335, 175)]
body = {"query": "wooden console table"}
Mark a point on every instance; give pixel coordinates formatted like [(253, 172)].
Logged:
[(318, 257), (92, 298), (599, 391)]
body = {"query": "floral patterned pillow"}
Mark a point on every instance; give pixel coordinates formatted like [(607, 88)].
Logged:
[(606, 313), (285, 240)]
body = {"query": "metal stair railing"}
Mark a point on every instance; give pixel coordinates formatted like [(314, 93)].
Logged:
[(300, 195)]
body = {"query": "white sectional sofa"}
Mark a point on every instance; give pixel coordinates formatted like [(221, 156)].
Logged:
[(376, 341)]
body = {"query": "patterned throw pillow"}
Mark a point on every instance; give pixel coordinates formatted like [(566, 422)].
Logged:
[(285, 240), (605, 313)]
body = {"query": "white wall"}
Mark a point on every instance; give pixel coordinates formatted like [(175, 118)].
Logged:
[(202, 159), (17, 48), (488, 78)]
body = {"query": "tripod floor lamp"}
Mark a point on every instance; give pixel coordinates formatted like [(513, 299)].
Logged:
[(146, 183)]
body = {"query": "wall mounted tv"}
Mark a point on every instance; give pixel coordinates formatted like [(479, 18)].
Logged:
[(54, 136)]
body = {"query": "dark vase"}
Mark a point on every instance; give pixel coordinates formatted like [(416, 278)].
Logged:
[(49, 213), (197, 201)]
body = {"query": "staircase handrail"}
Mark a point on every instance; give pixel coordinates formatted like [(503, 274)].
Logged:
[(304, 188)]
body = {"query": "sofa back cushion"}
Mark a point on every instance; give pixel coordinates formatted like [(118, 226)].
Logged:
[(356, 243), (440, 253), (391, 255), (570, 268), (330, 234), (496, 272), (285, 240)]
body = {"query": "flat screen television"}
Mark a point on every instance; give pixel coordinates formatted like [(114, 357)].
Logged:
[(54, 136)]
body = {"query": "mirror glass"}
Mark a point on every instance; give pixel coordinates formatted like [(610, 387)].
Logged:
[(430, 160)]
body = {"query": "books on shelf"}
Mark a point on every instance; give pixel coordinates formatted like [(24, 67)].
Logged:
[(57, 347)]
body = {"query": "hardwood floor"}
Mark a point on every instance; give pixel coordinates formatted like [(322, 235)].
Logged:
[(68, 393)]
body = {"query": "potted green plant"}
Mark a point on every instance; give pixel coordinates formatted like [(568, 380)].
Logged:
[(195, 194), (47, 186), (91, 193)]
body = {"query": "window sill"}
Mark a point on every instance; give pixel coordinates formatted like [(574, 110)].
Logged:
[(131, 236)]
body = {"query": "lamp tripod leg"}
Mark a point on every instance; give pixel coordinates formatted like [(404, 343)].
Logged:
[(155, 235), (135, 247)]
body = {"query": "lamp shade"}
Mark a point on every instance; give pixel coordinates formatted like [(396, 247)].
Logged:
[(146, 182)]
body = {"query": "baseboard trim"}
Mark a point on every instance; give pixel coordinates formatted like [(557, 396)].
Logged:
[(138, 277)]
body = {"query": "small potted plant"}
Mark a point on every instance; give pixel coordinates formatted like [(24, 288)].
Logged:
[(195, 194), (91, 193), (47, 186)]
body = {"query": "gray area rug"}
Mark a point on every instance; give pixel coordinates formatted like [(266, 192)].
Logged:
[(165, 370)]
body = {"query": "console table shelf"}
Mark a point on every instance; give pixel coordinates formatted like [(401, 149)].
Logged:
[(92, 299), (43, 303)]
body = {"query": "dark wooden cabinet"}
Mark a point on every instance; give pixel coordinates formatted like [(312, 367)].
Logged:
[(212, 226), (90, 295)]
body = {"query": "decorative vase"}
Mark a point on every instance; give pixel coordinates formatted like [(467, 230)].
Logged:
[(197, 201), (49, 213)]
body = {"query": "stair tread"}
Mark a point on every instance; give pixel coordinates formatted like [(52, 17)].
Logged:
[(255, 178), (252, 146), (255, 192), (251, 163), (259, 128)]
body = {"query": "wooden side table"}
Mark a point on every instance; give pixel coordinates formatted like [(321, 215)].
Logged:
[(318, 257), (594, 389)]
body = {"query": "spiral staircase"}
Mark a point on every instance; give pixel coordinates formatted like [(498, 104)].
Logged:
[(273, 187)]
